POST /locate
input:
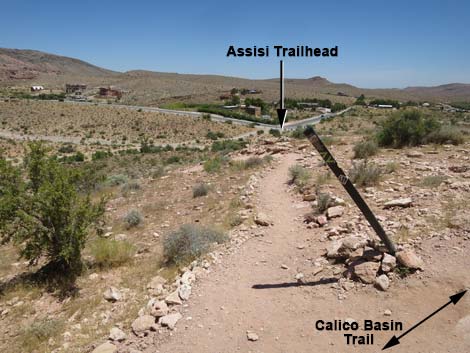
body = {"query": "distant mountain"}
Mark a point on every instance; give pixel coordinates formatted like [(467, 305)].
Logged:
[(449, 91), (18, 64), (26, 67)]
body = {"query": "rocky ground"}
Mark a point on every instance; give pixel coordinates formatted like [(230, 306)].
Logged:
[(286, 265), (265, 292)]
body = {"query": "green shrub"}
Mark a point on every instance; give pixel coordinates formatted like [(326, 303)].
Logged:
[(116, 180), (67, 148), (298, 133), (77, 157), (253, 162), (200, 190), (133, 218), (268, 158), (324, 201), (211, 135), (227, 146), (432, 181), (409, 128), (173, 160), (235, 220), (338, 107), (157, 172), (259, 132), (446, 135), (189, 242), (249, 163), (100, 155), (323, 178), (275, 132), (299, 175), (47, 216), (391, 167), (39, 332), (365, 149), (364, 173), (213, 165), (111, 253), (130, 186)]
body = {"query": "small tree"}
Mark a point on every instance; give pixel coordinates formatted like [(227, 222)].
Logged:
[(361, 100), (46, 215), (406, 129)]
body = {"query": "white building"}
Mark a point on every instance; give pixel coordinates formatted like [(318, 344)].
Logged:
[(37, 88), (323, 110)]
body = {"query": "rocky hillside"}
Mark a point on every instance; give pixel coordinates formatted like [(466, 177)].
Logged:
[(18, 64)]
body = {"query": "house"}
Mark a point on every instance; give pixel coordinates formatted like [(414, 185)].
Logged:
[(341, 94), (426, 104), (253, 110), (385, 106), (75, 88), (323, 110), (37, 88), (108, 92), (307, 105)]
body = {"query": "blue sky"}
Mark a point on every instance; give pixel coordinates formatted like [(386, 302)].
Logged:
[(381, 43)]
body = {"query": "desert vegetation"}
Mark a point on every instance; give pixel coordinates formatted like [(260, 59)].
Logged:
[(108, 125), (46, 212)]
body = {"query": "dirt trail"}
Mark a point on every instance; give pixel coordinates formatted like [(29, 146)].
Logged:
[(224, 304)]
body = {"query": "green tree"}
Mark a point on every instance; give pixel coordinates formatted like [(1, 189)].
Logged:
[(361, 100), (406, 129), (338, 107), (45, 214)]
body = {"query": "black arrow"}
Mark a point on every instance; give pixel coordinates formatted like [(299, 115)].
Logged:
[(282, 112), (396, 340)]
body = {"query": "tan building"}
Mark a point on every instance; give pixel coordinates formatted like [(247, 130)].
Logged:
[(75, 88), (252, 110)]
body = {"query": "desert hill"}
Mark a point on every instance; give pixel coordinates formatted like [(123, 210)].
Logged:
[(17, 64), (26, 67)]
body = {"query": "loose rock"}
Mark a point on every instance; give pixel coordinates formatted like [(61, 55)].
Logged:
[(252, 336), (366, 271), (403, 202), (112, 294), (159, 308), (382, 282), (173, 298), (262, 220), (184, 291), (116, 334), (106, 347), (336, 211), (143, 324), (409, 259), (170, 320), (321, 220), (389, 263)]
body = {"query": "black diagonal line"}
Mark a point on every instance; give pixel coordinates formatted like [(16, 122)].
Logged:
[(426, 318)]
